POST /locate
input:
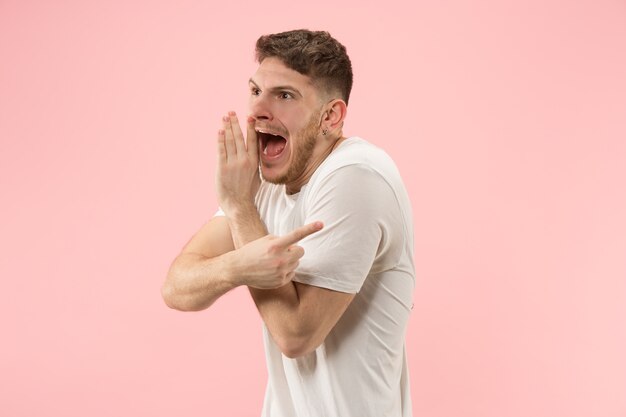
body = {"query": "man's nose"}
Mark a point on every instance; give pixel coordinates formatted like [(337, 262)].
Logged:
[(260, 109)]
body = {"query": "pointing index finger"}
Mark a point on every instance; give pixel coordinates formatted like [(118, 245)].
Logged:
[(298, 234)]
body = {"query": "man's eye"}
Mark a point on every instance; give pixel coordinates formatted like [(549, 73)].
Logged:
[(255, 91), (285, 95)]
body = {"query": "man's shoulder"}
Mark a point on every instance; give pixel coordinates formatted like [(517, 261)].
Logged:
[(356, 149), (357, 153)]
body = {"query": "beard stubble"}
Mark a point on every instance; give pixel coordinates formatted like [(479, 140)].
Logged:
[(302, 153)]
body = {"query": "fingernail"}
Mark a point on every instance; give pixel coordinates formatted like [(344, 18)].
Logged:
[(225, 118), (231, 113)]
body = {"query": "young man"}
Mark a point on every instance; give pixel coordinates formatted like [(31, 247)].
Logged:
[(323, 238)]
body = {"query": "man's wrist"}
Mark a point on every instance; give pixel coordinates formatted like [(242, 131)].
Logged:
[(239, 210), (233, 275), (245, 224)]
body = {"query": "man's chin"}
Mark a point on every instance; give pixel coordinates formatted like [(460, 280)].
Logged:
[(273, 177)]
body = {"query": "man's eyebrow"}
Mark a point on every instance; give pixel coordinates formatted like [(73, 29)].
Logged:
[(278, 88)]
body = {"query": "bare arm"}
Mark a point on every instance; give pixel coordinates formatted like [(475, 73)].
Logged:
[(298, 316), (200, 273), (209, 265)]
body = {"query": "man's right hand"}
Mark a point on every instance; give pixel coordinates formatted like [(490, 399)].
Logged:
[(270, 261), (237, 177)]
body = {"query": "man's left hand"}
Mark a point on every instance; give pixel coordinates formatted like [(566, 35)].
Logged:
[(237, 179)]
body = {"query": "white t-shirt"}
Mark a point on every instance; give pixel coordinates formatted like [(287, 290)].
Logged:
[(365, 247)]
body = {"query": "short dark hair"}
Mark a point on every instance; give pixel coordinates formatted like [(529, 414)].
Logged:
[(315, 54)]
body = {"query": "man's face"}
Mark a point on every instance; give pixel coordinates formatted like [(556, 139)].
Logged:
[(287, 110)]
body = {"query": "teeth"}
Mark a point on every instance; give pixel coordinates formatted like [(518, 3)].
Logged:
[(266, 132)]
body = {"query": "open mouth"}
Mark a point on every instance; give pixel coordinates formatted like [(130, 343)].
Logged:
[(272, 146)]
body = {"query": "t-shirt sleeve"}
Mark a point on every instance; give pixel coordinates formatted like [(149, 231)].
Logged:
[(357, 207)]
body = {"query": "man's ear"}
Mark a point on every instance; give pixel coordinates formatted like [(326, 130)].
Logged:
[(335, 114)]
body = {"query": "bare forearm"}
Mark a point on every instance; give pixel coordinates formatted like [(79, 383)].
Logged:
[(245, 225), (278, 307), (194, 281)]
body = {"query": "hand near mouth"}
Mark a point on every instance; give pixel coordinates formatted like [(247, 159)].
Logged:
[(237, 179)]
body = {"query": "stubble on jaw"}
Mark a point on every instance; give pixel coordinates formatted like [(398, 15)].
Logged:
[(302, 153)]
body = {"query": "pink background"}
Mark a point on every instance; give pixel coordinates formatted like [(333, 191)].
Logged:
[(507, 120)]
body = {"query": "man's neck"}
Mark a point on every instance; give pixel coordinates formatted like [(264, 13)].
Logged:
[(297, 185)]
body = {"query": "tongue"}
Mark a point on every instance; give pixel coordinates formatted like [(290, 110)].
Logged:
[(275, 145)]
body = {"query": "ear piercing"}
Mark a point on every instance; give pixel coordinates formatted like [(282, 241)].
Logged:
[(324, 132)]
